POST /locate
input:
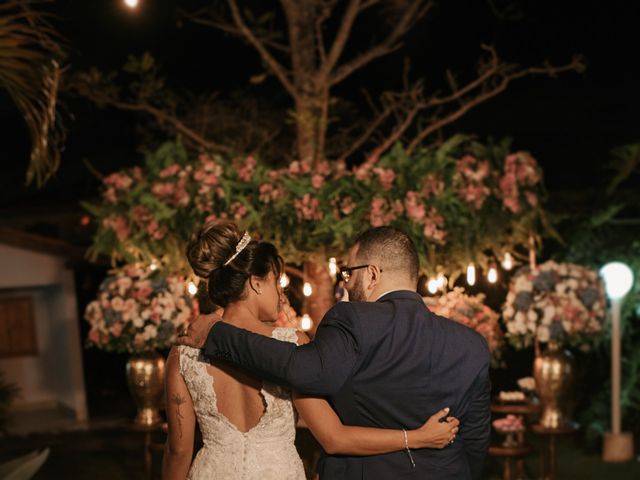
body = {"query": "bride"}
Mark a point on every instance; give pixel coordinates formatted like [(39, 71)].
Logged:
[(247, 425)]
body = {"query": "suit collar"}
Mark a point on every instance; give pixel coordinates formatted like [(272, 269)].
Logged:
[(400, 295)]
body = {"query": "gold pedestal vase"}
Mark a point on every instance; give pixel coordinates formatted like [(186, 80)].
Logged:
[(145, 376), (554, 372)]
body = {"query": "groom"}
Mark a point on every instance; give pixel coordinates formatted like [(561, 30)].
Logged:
[(383, 360)]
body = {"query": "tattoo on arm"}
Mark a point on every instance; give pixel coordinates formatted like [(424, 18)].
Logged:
[(178, 400)]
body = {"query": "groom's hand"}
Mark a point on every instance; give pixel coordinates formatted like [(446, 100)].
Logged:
[(195, 335)]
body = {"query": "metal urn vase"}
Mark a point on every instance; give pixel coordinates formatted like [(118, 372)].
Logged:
[(554, 372), (145, 376)]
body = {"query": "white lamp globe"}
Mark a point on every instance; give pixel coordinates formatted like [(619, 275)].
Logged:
[(618, 279)]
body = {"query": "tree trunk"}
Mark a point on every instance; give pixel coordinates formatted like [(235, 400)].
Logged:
[(322, 298), (312, 96)]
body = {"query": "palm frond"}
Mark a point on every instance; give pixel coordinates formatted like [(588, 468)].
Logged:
[(30, 52)]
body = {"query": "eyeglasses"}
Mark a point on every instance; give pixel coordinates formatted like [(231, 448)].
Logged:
[(345, 272)]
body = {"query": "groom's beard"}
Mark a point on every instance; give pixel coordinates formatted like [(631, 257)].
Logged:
[(356, 291)]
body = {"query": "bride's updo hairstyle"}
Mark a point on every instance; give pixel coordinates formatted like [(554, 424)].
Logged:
[(214, 244)]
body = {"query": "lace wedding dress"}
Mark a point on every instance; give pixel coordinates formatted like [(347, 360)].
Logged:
[(266, 452)]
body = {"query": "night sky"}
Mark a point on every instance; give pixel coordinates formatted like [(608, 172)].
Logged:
[(569, 124)]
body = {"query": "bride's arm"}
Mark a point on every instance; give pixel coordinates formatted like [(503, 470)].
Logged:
[(337, 438), (178, 449)]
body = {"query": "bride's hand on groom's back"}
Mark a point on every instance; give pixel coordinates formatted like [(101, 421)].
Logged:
[(196, 333), (437, 432)]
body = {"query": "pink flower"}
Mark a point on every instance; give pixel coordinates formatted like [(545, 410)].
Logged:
[(317, 181), (269, 194), (432, 186), (433, 224), (170, 171), (475, 194), (245, 172), (347, 206), (110, 195), (323, 168), (294, 168), (414, 207), (531, 197), (120, 181), (308, 208), (163, 190), (363, 172), (119, 225), (238, 210), (386, 176), (95, 337)]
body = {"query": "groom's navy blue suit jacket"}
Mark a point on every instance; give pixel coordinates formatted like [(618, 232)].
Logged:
[(389, 364)]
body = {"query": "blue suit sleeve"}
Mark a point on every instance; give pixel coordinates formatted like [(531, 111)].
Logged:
[(320, 367), (475, 427)]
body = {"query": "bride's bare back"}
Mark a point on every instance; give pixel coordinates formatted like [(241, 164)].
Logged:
[(239, 395)]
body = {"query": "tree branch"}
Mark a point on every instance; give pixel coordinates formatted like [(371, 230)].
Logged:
[(414, 12), (503, 74), (275, 66), (352, 11), (163, 118), (223, 26)]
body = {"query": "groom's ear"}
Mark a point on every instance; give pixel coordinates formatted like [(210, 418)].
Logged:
[(374, 276)]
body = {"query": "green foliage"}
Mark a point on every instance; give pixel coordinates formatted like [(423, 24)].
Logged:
[(451, 199)]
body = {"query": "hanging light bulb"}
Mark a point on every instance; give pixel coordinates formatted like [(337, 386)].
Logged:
[(305, 322), (284, 280), (492, 274), (441, 281), (153, 267), (507, 263), (432, 286), (132, 3), (307, 290), (192, 288), (333, 267), (471, 274)]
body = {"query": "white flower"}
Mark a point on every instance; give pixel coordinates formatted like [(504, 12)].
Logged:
[(146, 313), (150, 331), (532, 316), (137, 321), (527, 383), (117, 304), (544, 334), (547, 314), (508, 312)]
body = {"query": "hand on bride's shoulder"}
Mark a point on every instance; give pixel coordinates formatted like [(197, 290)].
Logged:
[(302, 338), (196, 333)]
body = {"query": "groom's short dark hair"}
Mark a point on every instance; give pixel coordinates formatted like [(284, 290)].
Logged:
[(391, 248)]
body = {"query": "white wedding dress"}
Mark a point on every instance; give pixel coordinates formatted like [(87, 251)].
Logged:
[(266, 452)]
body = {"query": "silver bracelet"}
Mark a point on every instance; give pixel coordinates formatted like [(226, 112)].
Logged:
[(406, 446)]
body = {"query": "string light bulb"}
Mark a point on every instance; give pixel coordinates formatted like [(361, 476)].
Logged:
[(284, 280), (132, 3), (333, 267), (441, 281), (432, 286), (492, 274), (507, 263), (307, 290), (471, 274), (192, 288), (153, 267), (305, 322)]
